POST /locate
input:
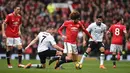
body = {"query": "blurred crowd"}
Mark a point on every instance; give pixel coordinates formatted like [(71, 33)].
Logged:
[(37, 14)]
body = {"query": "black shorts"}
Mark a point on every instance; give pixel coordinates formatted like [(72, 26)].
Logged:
[(95, 46), (43, 55)]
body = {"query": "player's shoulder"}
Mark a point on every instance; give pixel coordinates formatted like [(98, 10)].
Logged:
[(68, 21), (40, 33), (123, 26), (19, 15), (103, 24), (119, 25), (44, 34), (10, 14), (93, 24)]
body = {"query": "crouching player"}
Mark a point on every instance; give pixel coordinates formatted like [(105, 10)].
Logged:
[(45, 39)]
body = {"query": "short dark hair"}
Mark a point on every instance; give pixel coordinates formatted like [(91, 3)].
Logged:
[(74, 15), (49, 27), (118, 18), (17, 6), (99, 16)]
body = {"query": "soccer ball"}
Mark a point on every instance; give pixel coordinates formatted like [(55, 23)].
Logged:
[(78, 66)]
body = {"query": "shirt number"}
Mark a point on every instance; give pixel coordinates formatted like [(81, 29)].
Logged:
[(117, 31), (43, 38)]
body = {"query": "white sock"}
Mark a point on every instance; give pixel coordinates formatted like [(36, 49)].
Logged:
[(83, 57), (102, 56), (36, 65)]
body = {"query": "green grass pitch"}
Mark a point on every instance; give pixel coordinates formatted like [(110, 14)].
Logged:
[(89, 66)]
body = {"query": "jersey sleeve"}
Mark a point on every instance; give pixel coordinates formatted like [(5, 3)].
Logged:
[(61, 28), (89, 28), (105, 27), (7, 19), (39, 34), (52, 40)]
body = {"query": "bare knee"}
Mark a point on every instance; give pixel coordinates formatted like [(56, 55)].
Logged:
[(69, 57), (88, 50), (19, 47), (102, 49)]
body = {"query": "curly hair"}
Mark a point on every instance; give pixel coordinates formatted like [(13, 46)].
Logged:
[(74, 15)]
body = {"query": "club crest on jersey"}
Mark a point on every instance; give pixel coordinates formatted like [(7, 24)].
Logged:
[(74, 28)]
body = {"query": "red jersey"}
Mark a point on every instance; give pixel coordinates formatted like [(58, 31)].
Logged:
[(72, 30), (13, 22), (117, 31)]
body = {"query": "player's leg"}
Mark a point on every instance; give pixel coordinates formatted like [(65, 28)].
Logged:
[(102, 57), (113, 50), (42, 56), (18, 43), (29, 65), (119, 49), (114, 59), (8, 55), (85, 55), (88, 50), (64, 58), (55, 56), (9, 44), (75, 58), (53, 59), (75, 53)]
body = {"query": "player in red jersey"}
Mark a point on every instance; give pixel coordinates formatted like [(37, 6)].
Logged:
[(12, 34), (72, 28), (118, 31)]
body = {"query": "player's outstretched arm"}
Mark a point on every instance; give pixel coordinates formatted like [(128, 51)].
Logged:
[(60, 30), (84, 39), (3, 30), (126, 35), (32, 42), (57, 47)]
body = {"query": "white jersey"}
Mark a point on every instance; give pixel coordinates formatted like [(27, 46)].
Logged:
[(97, 32), (45, 39)]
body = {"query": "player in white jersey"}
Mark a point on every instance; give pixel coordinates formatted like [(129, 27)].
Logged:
[(45, 39), (97, 30)]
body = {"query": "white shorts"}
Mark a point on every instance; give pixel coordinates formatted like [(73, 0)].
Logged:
[(70, 48), (13, 41), (115, 48)]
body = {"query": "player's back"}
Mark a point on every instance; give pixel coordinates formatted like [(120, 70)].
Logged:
[(45, 39), (117, 31)]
